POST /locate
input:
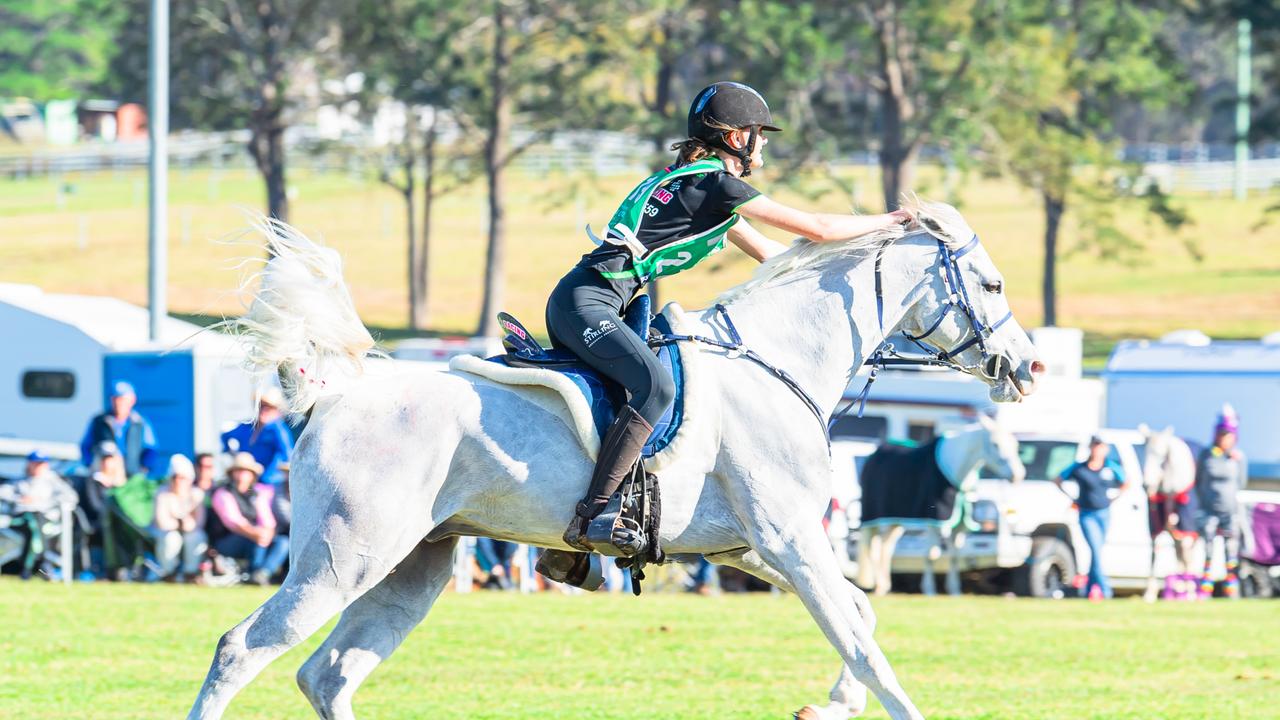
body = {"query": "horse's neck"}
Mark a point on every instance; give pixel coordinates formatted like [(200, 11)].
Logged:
[(820, 328), (959, 455), (1179, 470)]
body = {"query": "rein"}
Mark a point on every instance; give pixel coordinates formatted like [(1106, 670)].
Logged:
[(958, 299), (737, 348)]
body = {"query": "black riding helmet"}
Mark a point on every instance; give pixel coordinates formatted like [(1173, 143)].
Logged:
[(732, 105)]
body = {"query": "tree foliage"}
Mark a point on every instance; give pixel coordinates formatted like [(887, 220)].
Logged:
[(52, 49)]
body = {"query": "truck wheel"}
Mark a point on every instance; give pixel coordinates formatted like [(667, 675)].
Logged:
[(1048, 572), (1254, 580)]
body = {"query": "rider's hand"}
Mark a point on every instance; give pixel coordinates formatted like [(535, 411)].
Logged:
[(903, 217)]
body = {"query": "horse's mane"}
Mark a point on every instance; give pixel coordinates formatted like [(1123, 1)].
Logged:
[(806, 257)]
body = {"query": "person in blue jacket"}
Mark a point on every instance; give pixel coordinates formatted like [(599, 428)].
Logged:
[(1095, 477), (123, 426), (267, 437)]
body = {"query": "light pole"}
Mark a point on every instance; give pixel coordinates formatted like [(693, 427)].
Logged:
[(158, 164), (1244, 71)]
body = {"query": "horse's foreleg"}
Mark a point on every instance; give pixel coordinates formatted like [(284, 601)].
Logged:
[(955, 541), (1152, 592), (804, 557), (848, 696), (928, 583), (372, 627), (868, 545), (884, 563)]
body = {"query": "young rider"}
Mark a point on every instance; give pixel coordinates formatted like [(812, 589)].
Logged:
[(668, 223)]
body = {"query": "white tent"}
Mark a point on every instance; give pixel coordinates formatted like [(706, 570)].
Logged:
[(52, 371)]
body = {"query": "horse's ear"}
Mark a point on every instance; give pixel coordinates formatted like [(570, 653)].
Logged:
[(1167, 431), (986, 421), (1144, 430)]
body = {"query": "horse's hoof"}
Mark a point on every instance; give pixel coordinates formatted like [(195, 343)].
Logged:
[(808, 712)]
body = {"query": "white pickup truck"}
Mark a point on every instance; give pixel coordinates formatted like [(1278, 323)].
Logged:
[(1030, 541)]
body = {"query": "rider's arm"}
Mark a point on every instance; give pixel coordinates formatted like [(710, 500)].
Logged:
[(818, 227), (752, 242)]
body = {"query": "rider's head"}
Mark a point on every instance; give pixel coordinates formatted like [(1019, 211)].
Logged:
[(727, 119)]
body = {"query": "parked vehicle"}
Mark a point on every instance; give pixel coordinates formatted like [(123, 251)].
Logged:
[(1028, 539)]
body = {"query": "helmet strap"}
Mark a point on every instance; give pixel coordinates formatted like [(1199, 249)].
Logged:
[(744, 153)]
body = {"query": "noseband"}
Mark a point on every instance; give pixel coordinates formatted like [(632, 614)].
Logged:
[(885, 354)]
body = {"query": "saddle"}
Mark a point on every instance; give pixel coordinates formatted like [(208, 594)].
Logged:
[(628, 526)]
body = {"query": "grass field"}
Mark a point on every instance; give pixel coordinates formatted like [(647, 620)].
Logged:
[(109, 651), (92, 239)]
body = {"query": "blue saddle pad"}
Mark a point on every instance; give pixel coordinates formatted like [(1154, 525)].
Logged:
[(604, 396)]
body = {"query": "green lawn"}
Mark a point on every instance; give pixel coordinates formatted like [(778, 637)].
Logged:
[(93, 240), (110, 651)]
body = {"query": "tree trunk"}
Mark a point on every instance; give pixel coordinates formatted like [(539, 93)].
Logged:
[(494, 165), (266, 146), (1053, 209), (897, 154), (418, 277), (406, 190)]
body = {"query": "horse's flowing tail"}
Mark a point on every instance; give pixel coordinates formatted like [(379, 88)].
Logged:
[(302, 325)]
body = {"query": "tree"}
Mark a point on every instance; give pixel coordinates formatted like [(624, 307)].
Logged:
[(233, 64), (55, 48), (1050, 125), (407, 50)]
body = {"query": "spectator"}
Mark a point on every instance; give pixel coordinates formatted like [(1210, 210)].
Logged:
[(494, 557), (1094, 478), (243, 509), (125, 506), (1221, 470), (178, 526), (38, 497), (121, 425), (267, 438), (204, 468)]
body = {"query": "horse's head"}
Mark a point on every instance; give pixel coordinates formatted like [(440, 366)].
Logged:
[(1000, 451), (963, 314), (1163, 470)]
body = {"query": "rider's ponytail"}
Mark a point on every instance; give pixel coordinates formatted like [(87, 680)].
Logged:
[(691, 150), (694, 149)]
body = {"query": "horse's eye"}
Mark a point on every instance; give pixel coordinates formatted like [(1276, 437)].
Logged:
[(993, 287)]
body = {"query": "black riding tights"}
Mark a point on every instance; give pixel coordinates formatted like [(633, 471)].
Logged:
[(584, 316)]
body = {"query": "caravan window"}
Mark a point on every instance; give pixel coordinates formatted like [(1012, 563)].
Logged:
[(49, 384)]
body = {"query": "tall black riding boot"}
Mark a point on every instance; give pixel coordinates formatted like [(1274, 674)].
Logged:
[(619, 452)]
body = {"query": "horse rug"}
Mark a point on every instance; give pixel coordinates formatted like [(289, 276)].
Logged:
[(903, 485)]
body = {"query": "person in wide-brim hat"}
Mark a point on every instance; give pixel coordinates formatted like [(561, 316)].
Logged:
[(245, 461)]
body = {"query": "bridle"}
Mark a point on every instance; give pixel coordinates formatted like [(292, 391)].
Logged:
[(990, 366)]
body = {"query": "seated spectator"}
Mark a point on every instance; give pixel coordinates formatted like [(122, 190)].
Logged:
[(178, 526), (36, 498), (204, 468), (124, 506), (266, 438), (123, 427), (243, 510)]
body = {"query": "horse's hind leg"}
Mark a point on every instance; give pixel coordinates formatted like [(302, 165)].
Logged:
[(329, 569), (372, 627), (848, 696)]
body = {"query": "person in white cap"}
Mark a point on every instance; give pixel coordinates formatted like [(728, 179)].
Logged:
[(267, 437), (178, 527)]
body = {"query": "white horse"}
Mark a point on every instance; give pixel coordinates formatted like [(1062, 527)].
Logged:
[(1169, 474), (395, 465), (958, 455)]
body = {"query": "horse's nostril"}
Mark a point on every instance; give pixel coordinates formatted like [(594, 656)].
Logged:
[(1037, 368)]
